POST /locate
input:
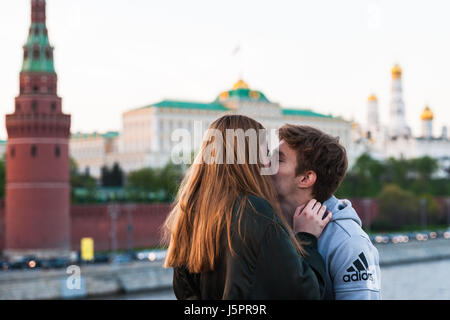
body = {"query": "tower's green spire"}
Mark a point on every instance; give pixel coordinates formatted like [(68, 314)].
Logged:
[(38, 53)]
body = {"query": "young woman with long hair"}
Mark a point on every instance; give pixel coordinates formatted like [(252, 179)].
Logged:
[(226, 234)]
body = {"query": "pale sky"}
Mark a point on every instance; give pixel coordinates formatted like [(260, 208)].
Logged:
[(325, 55)]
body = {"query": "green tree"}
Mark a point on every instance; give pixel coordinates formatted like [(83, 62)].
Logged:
[(82, 182), (424, 167), (396, 171), (163, 181), (112, 177), (431, 209), (171, 176), (397, 208), (364, 179)]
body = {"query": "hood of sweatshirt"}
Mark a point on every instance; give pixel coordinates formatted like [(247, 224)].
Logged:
[(342, 210)]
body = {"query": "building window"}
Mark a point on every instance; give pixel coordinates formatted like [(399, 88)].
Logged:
[(33, 151), (25, 54), (53, 106), (35, 89), (12, 152), (17, 106), (36, 31), (34, 106), (57, 151)]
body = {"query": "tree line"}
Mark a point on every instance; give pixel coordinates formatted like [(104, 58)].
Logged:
[(406, 190)]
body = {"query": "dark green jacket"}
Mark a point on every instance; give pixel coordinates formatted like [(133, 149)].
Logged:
[(266, 265)]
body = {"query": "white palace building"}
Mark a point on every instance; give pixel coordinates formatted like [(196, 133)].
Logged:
[(145, 137)]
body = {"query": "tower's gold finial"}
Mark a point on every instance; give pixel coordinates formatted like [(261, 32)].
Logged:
[(240, 85)]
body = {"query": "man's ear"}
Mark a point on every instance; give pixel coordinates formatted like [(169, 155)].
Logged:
[(306, 180)]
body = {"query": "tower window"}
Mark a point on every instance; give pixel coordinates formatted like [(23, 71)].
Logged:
[(25, 54), (48, 53), (36, 53), (33, 151), (35, 88), (57, 151), (17, 106), (12, 152), (53, 106), (36, 31)]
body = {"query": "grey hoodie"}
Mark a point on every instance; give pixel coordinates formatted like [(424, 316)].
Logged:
[(351, 260)]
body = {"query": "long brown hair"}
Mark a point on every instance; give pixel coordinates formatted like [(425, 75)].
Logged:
[(203, 207)]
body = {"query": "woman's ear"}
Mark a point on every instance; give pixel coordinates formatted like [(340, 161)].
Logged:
[(306, 180)]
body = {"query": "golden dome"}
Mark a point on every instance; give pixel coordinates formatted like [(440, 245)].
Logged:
[(254, 94), (224, 95), (240, 85), (396, 71), (372, 97), (427, 114)]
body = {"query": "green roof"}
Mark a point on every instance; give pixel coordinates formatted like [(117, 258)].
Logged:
[(38, 38), (110, 134), (107, 135), (2, 141), (214, 106), (243, 94), (304, 113)]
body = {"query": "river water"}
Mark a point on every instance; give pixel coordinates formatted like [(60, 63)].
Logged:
[(416, 281)]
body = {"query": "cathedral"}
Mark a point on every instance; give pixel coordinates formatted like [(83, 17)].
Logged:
[(395, 139)]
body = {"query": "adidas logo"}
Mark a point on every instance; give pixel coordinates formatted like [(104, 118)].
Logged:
[(358, 271)]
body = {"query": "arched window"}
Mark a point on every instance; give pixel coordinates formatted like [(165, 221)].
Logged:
[(33, 151)]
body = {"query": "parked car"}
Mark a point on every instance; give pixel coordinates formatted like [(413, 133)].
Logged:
[(382, 238), (152, 255), (24, 262), (446, 234), (101, 258), (122, 258), (400, 238), (422, 236), (54, 263), (4, 265)]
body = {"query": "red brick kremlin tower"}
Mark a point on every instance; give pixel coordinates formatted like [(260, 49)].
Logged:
[(37, 170)]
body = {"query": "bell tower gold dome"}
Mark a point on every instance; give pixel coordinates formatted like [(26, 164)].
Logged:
[(427, 114)]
